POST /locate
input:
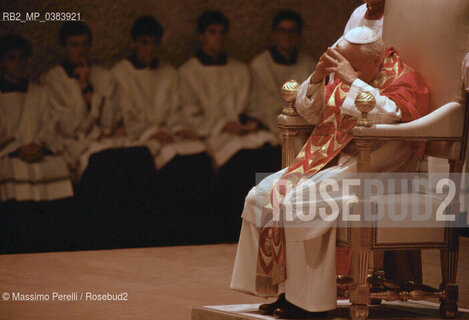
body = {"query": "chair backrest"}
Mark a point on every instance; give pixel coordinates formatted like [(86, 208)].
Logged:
[(431, 37)]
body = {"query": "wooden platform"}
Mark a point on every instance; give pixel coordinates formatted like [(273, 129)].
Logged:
[(395, 310), (162, 283)]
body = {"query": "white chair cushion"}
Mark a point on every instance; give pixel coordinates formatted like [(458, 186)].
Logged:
[(407, 233)]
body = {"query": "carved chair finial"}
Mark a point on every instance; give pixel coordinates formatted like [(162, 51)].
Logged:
[(288, 92), (365, 102)]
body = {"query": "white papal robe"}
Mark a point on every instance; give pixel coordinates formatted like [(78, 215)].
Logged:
[(311, 251), (213, 95), (25, 117), (268, 76), (77, 127), (149, 101)]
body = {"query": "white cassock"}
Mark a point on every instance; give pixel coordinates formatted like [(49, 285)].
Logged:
[(149, 101), (266, 103), (26, 118), (310, 251), (78, 128), (212, 96)]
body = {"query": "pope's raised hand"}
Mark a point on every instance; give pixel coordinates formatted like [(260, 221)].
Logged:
[(321, 70), (340, 66)]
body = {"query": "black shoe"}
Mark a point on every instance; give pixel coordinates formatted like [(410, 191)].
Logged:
[(290, 311), (268, 308)]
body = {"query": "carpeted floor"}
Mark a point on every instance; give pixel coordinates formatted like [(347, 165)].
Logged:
[(159, 283)]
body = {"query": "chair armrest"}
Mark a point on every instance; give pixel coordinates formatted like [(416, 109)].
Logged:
[(293, 122), (445, 123), (290, 126)]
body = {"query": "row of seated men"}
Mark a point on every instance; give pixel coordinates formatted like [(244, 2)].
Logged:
[(179, 145)]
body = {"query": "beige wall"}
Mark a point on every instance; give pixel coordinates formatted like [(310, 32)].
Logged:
[(111, 20)]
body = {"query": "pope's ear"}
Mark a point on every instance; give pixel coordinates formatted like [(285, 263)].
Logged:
[(378, 59)]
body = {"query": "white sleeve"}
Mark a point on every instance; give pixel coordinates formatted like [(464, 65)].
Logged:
[(38, 120), (110, 115), (132, 111), (310, 100), (66, 101), (386, 110), (192, 113), (8, 142), (240, 93), (104, 105), (243, 89), (174, 115), (255, 107), (356, 18), (263, 105)]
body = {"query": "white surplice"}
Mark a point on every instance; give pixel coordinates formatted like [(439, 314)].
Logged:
[(149, 101), (266, 103), (77, 127), (26, 118), (212, 96), (357, 19), (310, 249)]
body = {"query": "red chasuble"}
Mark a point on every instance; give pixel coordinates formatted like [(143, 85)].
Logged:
[(331, 135)]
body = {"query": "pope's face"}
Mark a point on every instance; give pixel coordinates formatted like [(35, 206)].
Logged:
[(286, 35), (213, 39), (77, 48), (366, 66)]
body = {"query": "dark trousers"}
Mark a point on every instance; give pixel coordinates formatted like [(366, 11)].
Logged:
[(236, 178), (30, 226), (188, 186), (118, 196)]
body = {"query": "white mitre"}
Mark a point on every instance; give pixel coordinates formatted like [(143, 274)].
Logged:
[(361, 35)]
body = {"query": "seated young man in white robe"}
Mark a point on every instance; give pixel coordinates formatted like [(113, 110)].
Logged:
[(35, 183), (148, 96), (273, 67), (296, 261), (215, 90), (112, 179), (29, 171), (81, 95)]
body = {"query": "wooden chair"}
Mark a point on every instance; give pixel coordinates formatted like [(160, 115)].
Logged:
[(430, 36)]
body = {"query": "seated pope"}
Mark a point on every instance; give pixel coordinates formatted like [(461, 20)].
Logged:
[(281, 253)]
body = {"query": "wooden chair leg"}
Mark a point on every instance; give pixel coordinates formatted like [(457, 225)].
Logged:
[(362, 257), (360, 292), (449, 256), (449, 265)]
